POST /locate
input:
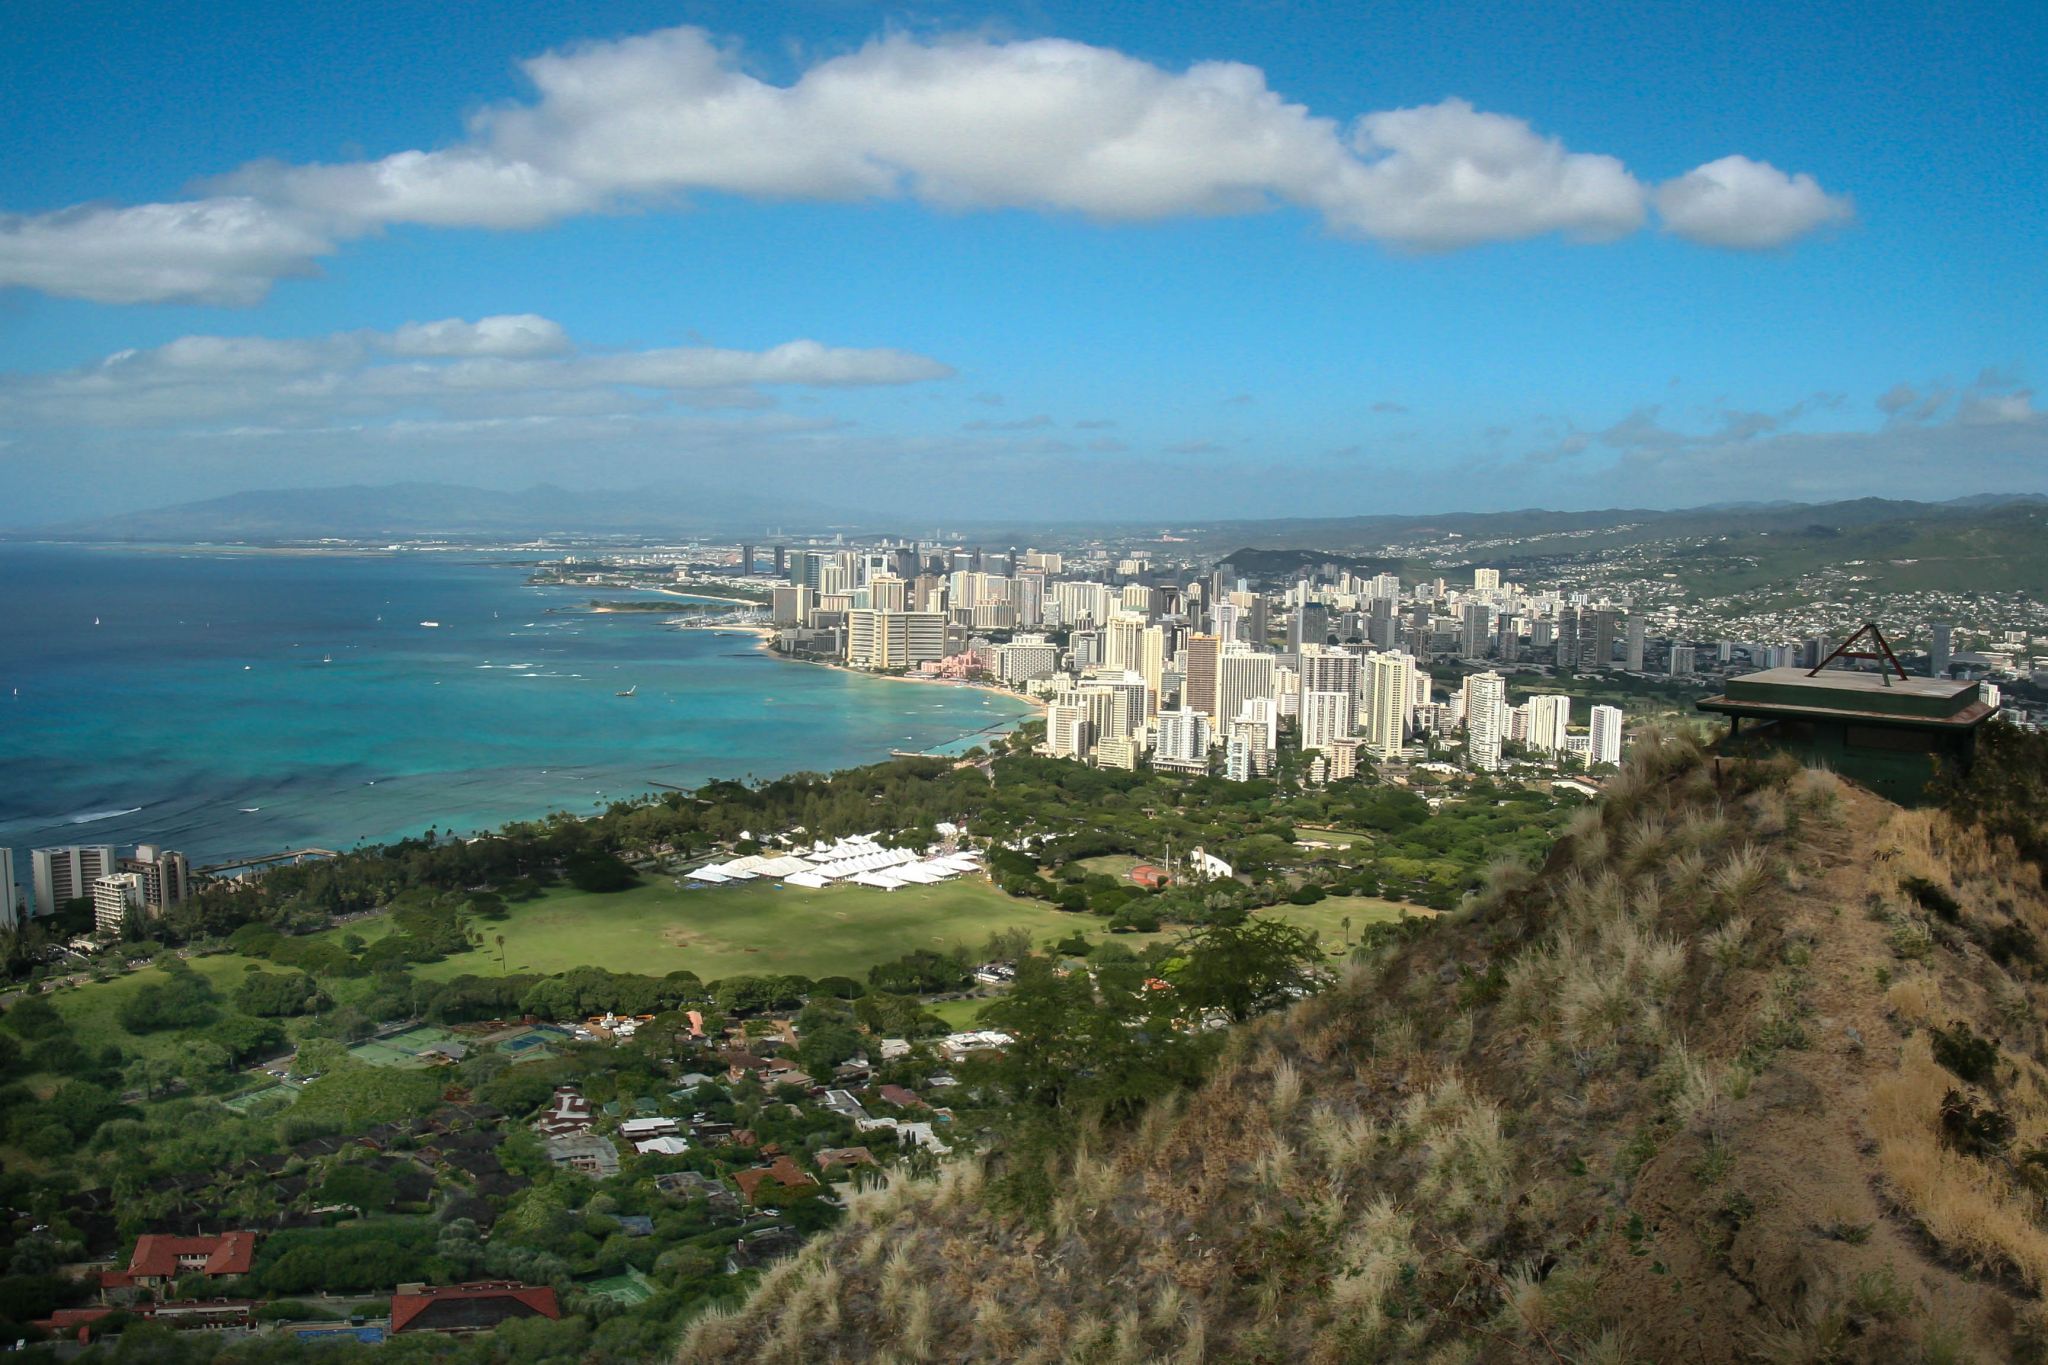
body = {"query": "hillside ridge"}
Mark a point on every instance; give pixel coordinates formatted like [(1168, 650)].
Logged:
[(1750, 1068)]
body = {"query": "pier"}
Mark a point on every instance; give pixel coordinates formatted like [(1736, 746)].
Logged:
[(263, 863)]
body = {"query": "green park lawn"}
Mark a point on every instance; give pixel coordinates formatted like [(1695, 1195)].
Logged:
[(92, 1008), (758, 929)]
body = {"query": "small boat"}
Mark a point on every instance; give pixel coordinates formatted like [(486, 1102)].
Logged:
[(430, 625), (628, 692), (249, 810)]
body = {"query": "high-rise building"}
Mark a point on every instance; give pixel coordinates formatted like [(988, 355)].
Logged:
[(1638, 636), (1325, 716), (1550, 717), (1942, 651), (1198, 692), (781, 561), (1025, 658), (66, 873), (12, 909), (1605, 740), (1331, 670), (113, 896), (894, 639), (746, 559), (1486, 580), (1308, 625), (886, 592), (1681, 658), (1389, 689), (1248, 754), (1472, 644), (1066, 729), (1243, 674), (807, 568), (1183, 741), (1342, 757), (166, 876), (1123, 641), (1485, 713)]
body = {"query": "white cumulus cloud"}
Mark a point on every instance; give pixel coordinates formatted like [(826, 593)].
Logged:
[(956, 123), (1748, 205)]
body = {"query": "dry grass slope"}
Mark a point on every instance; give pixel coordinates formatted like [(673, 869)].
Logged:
[(1760, 1078)]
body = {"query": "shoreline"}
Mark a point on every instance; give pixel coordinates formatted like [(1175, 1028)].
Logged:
[(767, 633)]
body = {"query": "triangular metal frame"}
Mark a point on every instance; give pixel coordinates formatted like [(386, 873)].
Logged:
[(1845, 652)]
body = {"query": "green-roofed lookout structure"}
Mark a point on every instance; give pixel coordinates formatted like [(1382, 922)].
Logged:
[(1887, 730)]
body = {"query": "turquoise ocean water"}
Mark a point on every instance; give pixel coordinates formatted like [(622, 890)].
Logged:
[(229, 705)]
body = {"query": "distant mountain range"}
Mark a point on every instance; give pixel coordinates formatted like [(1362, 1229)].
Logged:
[(434, 509)]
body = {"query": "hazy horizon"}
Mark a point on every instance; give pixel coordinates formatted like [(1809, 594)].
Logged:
[(1050, 262)]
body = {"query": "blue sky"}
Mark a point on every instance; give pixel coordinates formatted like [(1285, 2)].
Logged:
[(1047, 260)]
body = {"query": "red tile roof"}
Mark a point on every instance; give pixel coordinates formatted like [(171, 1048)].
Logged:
[(782, 1171), (231, 1253), (901, 1098), (411, 1304)]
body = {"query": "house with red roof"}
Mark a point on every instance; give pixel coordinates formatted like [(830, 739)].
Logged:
[(477, 1307), (159, 1260), (781, 1172)]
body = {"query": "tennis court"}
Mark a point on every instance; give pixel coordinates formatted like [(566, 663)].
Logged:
[(408, 1049)]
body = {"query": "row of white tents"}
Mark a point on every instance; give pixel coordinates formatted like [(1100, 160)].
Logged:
[(860, 862)]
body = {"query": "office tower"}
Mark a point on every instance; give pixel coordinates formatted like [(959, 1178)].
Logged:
[(1507, 638), (886, 592), (1380, 627), (1549, 718), (1486, 580), (746, 559), (66, 873), (1183, 741), (1681, 658), (1252, 623), (1066, 729), (1477, 631), (1605, 740), (1638, 633), (12, 911), (782, 561), (1027, 594), (166, 876), (894, 639), (1485, 710), (807, 568), (1243, 674), (1199, 667), (1325, 716), (1942, 651), (1309, 625), (1226, 620), (1086, 648), (1388, 688)]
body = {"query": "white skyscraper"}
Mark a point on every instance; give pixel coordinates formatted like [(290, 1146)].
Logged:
[(1325, 716), (1605, 746), (1549, 717), (112, 898), (1242, 674), (1183, 740), (1066, 729), (1389, 686), (1486, 707)]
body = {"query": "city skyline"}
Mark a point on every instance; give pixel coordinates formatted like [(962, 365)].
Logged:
[(1244, 262)]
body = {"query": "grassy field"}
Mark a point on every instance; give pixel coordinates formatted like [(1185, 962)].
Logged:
[(750, 929), (1330, 836), (754, 928), (91, 1008)]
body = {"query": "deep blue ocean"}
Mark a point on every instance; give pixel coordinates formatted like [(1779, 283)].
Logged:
[(228, 704)]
